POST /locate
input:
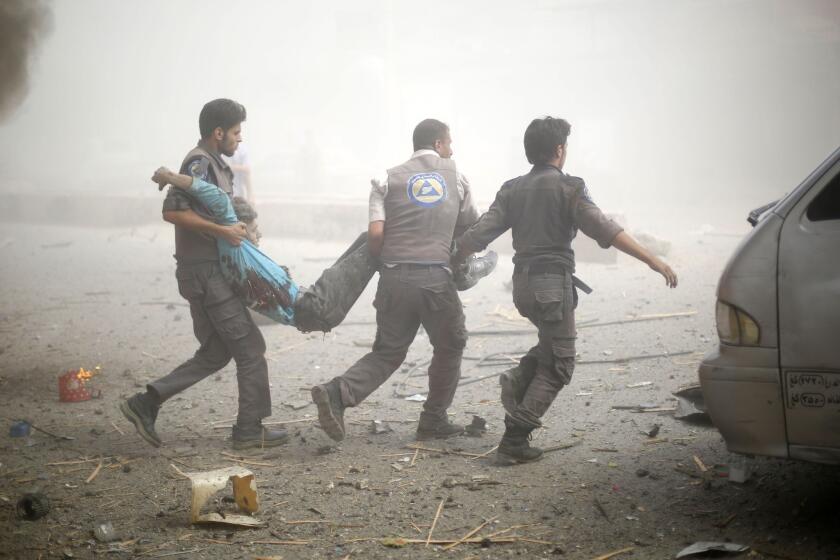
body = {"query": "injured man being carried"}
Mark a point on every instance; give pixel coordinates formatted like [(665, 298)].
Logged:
[(267, 287)]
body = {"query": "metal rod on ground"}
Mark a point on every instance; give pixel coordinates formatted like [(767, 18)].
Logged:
[(635, 358), (42, 430), (579, 362), (401, 385), (591, 324)]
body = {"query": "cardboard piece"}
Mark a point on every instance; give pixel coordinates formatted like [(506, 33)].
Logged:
[(206, 484)]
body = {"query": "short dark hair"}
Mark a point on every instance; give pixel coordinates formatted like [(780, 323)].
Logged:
[(542, 138), (224, 113), (244, 211), (427, 132)]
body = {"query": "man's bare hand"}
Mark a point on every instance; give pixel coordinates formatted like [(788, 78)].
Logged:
[(662, 268), (233, 234), (162, 176)]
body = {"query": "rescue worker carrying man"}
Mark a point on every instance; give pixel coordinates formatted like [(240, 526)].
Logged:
[(414, 215)]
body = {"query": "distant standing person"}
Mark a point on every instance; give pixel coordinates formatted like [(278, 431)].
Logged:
[(240, 164), (221, 322), (414, 214), (544, 209)]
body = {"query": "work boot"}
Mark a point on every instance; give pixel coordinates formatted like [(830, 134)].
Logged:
[(476, 268), (141, 412), (515, 381), (515, 447), (257, 435), (330, 409), (435, 427)]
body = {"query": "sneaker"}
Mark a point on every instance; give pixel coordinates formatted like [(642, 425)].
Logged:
[(330, 409), (258, 436), (142, 414), (437, 429)]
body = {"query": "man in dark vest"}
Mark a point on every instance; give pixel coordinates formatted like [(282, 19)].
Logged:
[(414, 213), (221, 322), (544, 209)]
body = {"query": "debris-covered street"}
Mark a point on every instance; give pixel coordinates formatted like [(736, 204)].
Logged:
[(622, 478)]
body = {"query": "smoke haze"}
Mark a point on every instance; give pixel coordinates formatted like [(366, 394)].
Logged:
[(23, 23), (713, 106)]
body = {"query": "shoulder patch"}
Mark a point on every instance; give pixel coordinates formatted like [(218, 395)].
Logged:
[(586, 195), (198, 167), (578, 183)]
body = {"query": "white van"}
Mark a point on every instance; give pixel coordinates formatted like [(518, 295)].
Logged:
[(773, 385)]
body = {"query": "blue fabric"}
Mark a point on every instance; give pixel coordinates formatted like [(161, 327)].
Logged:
[(261, 283)]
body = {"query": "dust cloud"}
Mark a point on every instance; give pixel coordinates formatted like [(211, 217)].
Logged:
[(680, 110), (23, 25)]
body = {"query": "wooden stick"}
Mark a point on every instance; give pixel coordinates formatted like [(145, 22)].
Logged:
[(700, 464), (178, 553), (78, 462), (562, 446), (471, 533), (500, 540), (535, 541), (434, 521), (414, 458), (447, 451), (244, 461), (486, 453), (615, 553), (122, 433), (273, 423), (635, 358), (179, 471), (94, 473), (280, 542)]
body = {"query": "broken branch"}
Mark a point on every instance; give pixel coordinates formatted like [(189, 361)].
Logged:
[(471, 533), (434, 521)]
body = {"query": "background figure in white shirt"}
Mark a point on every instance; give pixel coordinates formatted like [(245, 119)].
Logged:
[(240, 164)]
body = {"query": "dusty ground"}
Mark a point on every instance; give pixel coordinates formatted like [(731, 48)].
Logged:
[(108, 298)]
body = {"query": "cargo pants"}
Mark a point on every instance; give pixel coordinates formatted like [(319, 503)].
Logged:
[(408, 296), (225, 330), (323, 305), (547, 299)]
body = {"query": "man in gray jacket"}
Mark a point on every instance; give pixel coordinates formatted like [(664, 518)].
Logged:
[(414, 214)]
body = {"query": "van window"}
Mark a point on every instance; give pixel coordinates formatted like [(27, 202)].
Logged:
[(827, 204)]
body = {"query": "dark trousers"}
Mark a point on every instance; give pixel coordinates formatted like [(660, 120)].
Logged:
[(548, 301), (225, 330), (409, 296), (323, 305)]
